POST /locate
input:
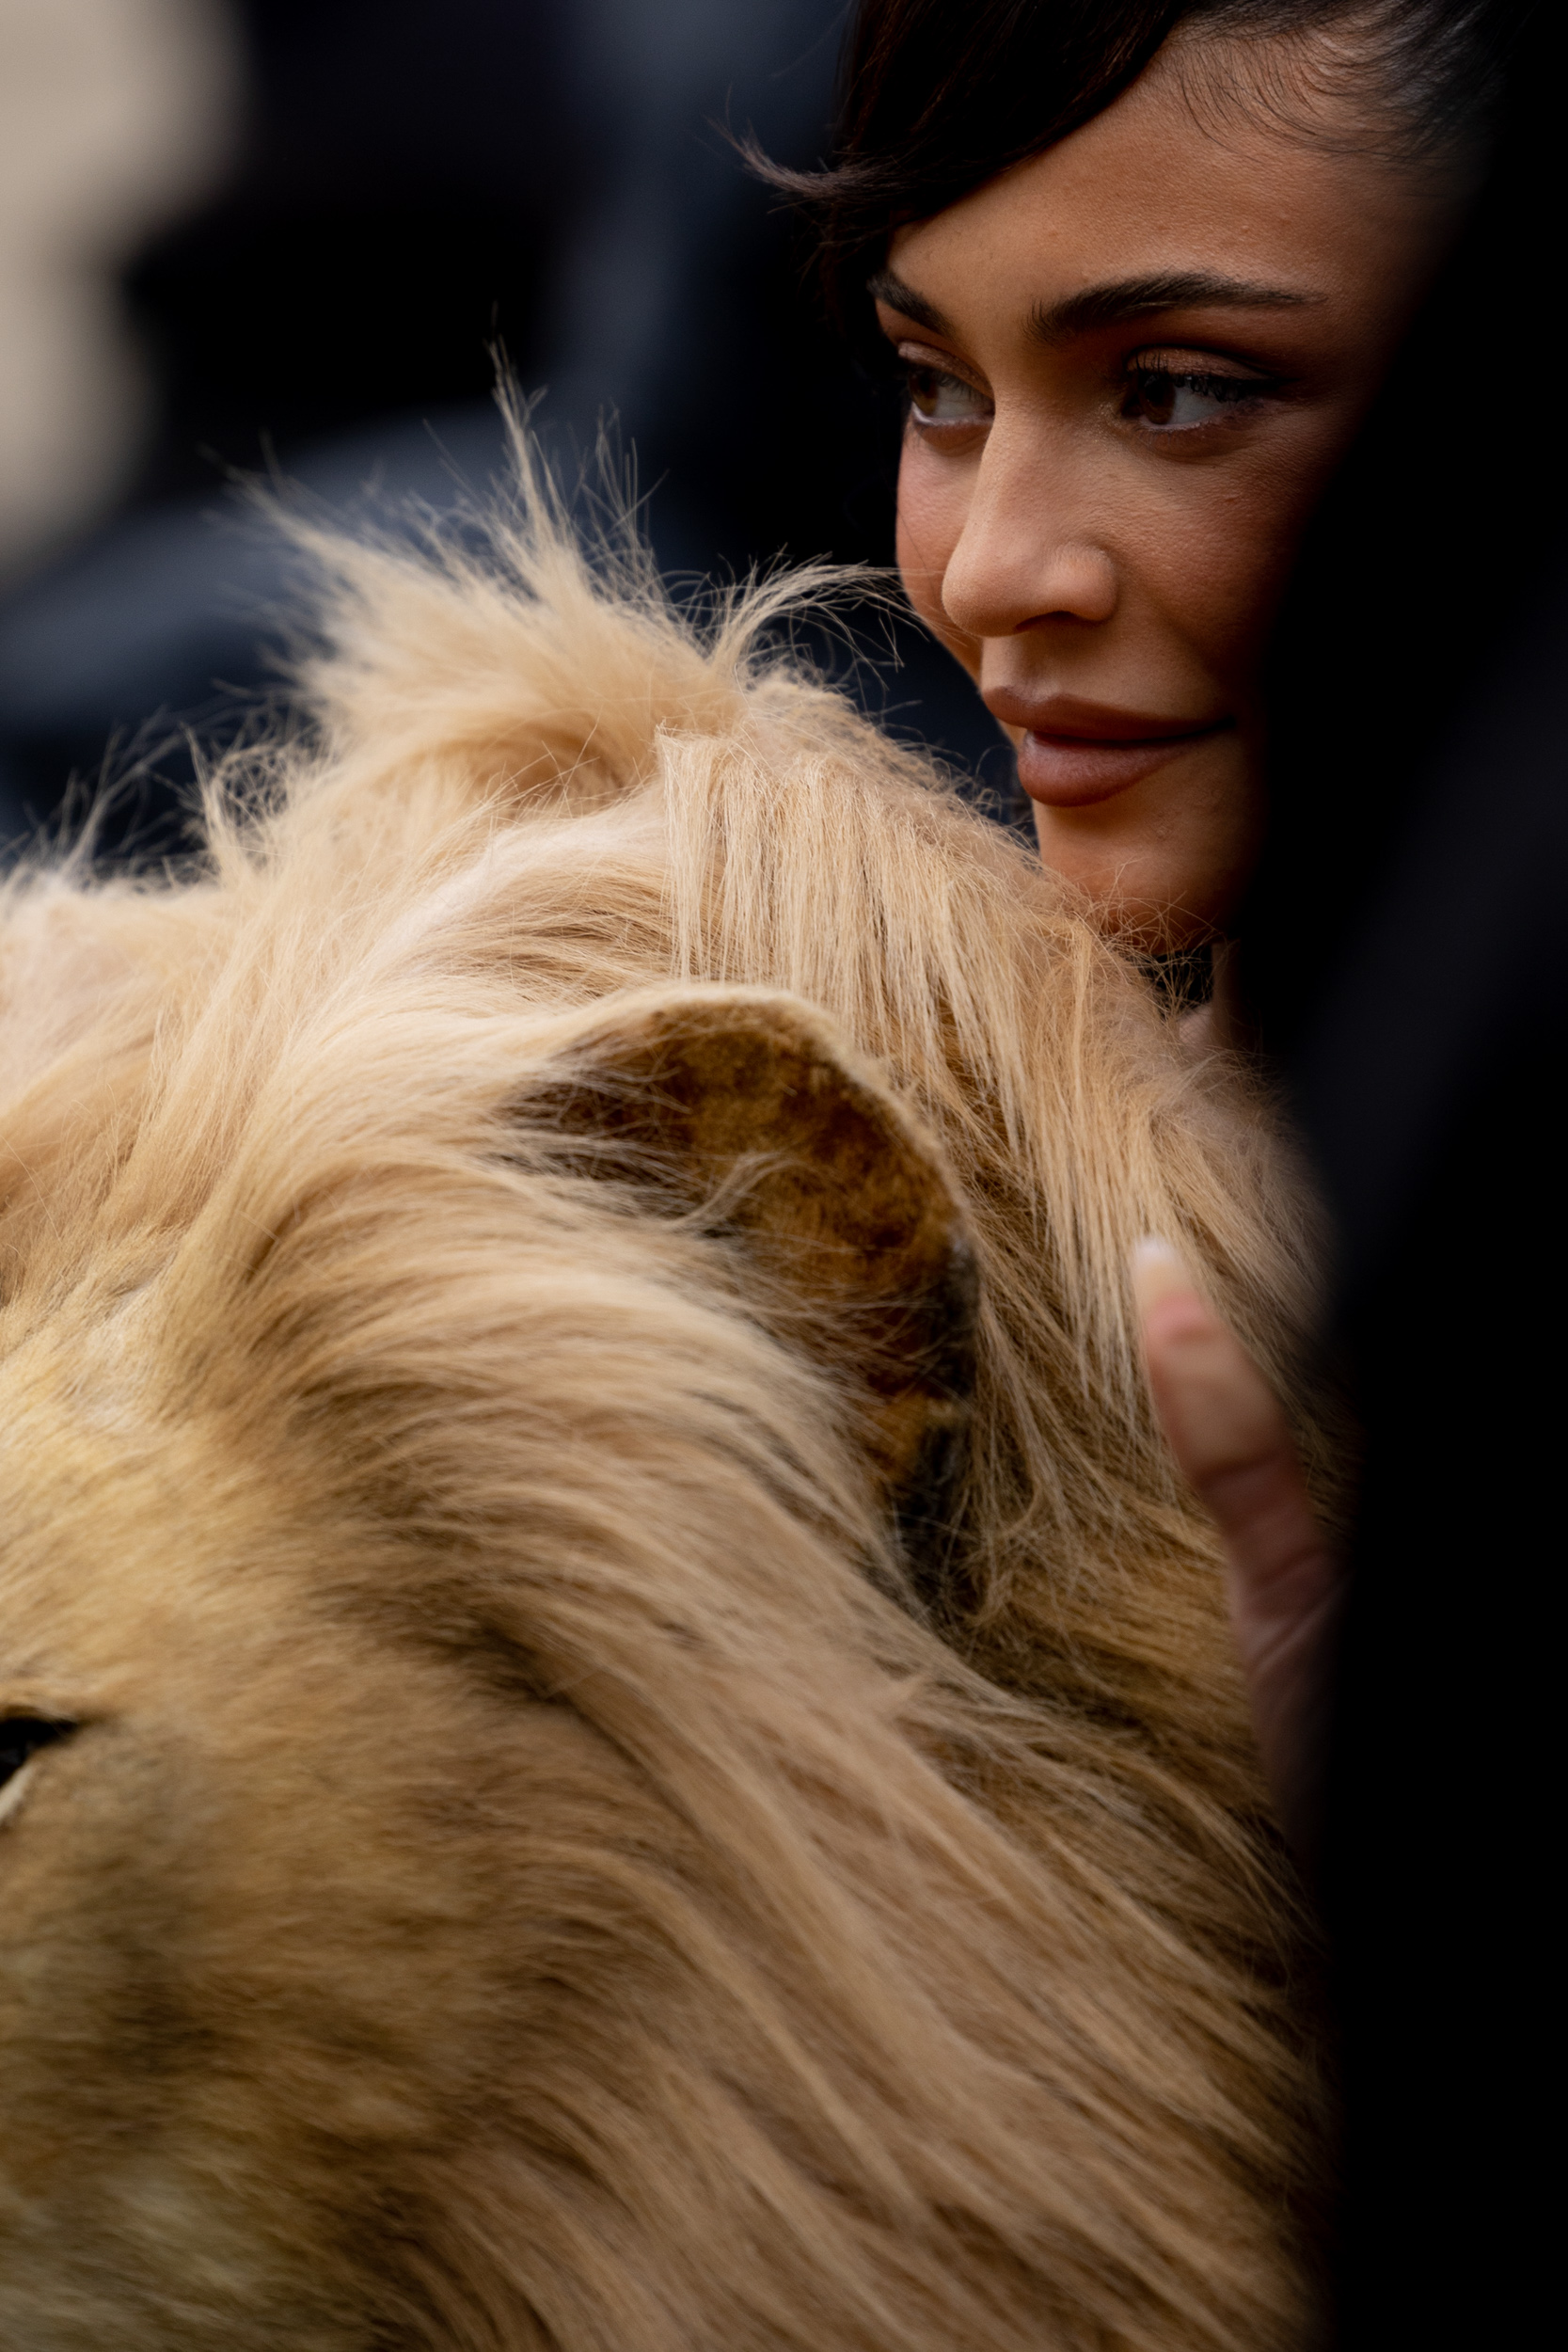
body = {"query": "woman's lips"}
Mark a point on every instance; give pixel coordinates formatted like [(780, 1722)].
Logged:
[(1073, 754)]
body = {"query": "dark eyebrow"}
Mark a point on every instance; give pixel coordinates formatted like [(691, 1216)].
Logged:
[(886, 288), (1128, 298)]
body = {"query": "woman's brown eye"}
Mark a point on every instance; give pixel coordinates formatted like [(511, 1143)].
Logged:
[(938, 398), (1151, 397), (1176, 400)]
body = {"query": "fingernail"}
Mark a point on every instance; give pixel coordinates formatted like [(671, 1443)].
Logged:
[(1157, 1270)]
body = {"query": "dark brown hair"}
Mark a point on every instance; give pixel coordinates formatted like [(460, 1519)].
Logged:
[(938, 96)]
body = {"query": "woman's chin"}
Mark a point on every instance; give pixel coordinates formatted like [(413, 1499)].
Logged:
[(1154, 904), (1165, 859)]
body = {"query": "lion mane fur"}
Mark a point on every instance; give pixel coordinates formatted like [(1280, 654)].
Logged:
[(549, 1848)]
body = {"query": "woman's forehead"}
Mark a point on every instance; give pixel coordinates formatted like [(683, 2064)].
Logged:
[(1156, 192)]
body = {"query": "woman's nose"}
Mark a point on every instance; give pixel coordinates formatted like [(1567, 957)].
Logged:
[(1017, 563)]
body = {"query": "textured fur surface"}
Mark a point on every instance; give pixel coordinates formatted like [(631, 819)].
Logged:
[(654, 1771)]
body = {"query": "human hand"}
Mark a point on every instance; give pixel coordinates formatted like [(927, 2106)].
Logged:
[(1283, 1581)]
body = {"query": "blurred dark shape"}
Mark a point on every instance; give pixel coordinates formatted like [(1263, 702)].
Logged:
[(1399, 951), (1430, 1085), (398, 202), (423, 183), (1427, 558)]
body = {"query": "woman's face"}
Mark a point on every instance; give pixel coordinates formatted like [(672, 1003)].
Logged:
[(1133, 362)]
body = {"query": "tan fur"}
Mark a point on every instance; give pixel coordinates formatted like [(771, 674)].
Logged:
[(557, 1853)]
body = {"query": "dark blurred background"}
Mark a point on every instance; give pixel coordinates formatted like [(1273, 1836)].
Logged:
[(289, 239)]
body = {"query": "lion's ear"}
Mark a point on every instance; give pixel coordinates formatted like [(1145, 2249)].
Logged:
[(749, 1107)]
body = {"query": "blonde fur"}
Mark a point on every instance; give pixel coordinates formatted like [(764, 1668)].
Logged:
[(540, 1866)]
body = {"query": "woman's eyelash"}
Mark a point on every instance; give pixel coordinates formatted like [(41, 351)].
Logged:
[(1172, 392), (1196, 380), (1169, 393), (1186, 359)]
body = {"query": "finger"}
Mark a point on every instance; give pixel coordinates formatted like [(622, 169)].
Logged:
[(1223, 1422), (1232, 1441)]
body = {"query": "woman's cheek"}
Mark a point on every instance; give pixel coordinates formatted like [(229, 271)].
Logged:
[(933, 501), (1250, 547), (1214, 574)]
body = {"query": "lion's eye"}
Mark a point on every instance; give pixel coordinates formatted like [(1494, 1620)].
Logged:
[(20, 1737)]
